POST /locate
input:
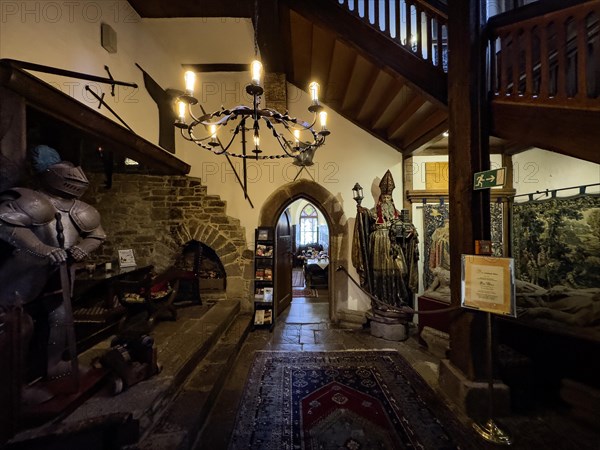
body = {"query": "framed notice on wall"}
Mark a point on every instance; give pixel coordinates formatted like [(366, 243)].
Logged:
[(126, 258), (488, 284)]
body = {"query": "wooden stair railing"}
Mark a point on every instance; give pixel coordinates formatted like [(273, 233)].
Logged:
[(544, 80), (552, 59), (426, 38)]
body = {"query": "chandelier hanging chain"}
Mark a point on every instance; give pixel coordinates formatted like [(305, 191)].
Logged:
[(256, 29)]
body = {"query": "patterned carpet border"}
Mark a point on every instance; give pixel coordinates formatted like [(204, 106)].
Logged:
[(280, 384)]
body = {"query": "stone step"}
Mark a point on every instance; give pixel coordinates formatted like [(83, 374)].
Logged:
[(187, 413), (181, 346)]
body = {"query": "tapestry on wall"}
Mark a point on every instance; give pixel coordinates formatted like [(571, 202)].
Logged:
[(436, 238), (556, 247)]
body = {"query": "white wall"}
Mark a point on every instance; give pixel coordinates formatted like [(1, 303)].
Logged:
[(537, 170), (67, 35)]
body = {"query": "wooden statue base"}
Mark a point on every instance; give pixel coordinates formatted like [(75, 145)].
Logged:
[(66, 395)]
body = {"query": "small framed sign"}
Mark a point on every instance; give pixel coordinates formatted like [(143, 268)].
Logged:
[(126, 258), (264, 234), (268, 294), (488, 284)]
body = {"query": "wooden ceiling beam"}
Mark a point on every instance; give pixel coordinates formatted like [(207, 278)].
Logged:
[(198, 8), (386, 100), (413, 106), (427, 129), (268, 35), (421, 146), (323, 43), (575, 132), (301, 40), (340, 70), (368, 87), (217, 67), (362, 74)]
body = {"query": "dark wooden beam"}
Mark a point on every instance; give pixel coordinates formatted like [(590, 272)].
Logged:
[(535, 9), (55, 103), (217, 67), (569, 131), (384, 52), (268, 35), (197, 8), (468, 153)]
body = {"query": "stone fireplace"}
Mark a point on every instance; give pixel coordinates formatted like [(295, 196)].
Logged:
[(202, 260), (157, 216)]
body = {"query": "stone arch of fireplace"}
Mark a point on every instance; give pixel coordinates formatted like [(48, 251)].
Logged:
[(331, 208), (230, 253)]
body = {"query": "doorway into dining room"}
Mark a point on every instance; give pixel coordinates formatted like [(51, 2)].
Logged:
[(310, 264)]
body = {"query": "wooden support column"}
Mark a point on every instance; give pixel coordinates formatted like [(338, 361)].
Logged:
[(13, 153), (463, 376)]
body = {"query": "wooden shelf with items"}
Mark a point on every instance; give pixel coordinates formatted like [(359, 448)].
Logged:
[(264, 305)]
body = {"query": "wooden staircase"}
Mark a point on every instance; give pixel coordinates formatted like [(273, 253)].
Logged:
[(385, 71), (545, 78), (369, 69)]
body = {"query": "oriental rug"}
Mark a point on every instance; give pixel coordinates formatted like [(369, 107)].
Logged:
[(342, 400), (304, 292)]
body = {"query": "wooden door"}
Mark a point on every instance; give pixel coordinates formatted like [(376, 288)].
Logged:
[(283, 263)]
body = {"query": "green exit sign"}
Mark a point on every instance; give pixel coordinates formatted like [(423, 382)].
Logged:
[(489, 178)]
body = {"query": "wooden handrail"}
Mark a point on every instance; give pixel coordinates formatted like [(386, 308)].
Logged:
[(419, 26), (546, 59)]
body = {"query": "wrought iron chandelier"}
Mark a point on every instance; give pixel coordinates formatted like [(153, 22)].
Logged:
[(295, 138)]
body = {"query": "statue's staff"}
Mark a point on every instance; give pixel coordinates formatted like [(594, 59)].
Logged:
[(66, 295)]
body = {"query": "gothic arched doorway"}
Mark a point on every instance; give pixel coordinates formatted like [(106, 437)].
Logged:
[(333, 212)]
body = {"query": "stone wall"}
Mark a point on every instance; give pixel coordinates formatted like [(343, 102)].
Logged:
[(155, 215)]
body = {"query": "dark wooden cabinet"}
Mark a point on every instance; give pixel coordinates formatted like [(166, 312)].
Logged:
[(97, 311)]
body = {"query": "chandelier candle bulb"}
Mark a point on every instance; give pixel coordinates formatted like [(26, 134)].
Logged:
[(314, 92), (213, 134), (297, 137), (256, 70), (181, 107), (190, 81), (323, 121), (256, 141)]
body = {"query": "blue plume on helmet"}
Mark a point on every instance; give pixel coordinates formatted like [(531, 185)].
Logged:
[(44, 157)]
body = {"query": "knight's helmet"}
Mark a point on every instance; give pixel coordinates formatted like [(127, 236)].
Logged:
[(59, 177), (386, 185)]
